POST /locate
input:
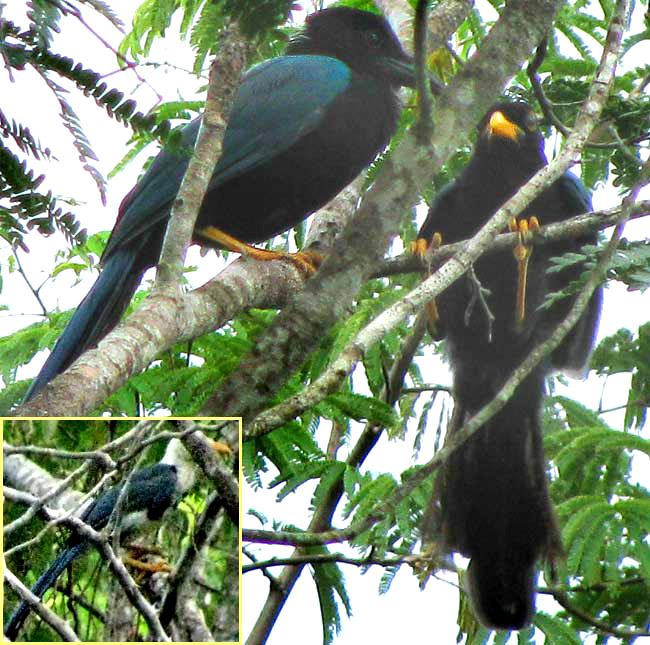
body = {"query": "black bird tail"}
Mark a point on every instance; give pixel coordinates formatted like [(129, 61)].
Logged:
[(97, 314), (46, 580), (495, 506)]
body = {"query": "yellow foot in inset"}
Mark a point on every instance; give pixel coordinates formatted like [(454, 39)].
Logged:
[(149, 567), (522, 252), (221, 448)]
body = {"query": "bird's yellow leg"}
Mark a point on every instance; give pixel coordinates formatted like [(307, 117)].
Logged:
[(420, 248), (137, 553), (150, 567), (221, 448), (522, 252), (306, 261)]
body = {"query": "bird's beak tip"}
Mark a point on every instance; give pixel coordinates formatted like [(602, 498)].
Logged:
[(499, 125), (402, 71)]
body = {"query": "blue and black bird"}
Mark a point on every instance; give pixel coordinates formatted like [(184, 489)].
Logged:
[(302, 127), (151, 492), (491, 496)]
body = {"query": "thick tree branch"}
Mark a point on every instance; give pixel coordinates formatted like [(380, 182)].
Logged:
[(443, 21), (225, 74), (158, 325), (27, 476)]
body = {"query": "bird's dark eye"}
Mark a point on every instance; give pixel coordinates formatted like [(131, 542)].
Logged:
[(372, 38)]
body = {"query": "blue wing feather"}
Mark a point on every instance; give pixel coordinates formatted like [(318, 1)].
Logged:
[(578, 196), (278, 102)]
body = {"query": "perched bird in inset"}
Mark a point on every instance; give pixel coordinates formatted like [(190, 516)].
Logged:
[(302, 127), (492, 501), (151, 492)]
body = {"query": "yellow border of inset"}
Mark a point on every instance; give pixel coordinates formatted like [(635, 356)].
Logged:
[(150, 418)]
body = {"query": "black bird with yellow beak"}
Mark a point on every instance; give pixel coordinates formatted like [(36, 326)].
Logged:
[(492, 498)]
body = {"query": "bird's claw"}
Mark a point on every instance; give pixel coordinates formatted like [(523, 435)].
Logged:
[(421, 247), (222, 448), (522, 252), (153, 553), (307, 262), (148, 567)]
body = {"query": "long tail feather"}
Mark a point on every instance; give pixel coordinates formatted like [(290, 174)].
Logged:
[(495, 507), (46, 580), (97, 314)]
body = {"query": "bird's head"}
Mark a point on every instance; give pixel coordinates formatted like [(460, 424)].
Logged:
[(176, 454), (511, 127), (364, 41)]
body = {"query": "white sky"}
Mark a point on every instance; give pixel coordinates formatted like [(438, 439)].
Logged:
[(405, 613)]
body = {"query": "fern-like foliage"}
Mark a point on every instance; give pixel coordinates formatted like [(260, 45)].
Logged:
[(28, 209), (25, 207), (330, 585), (201, 22)]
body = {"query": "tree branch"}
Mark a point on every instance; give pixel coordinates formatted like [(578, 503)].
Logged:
[(320, 558), (202, 536), (601, 625), (574, 227)]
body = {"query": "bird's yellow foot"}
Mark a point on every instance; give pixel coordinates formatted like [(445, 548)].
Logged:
[(145, 559), (420, 248), (221, 448), (522, 252), (148, 567), (425, 563), (307, 262)]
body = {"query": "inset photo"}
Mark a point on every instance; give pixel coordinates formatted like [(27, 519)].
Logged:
[(121, 530)]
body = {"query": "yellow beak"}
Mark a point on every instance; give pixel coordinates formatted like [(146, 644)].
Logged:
[(499, 125)]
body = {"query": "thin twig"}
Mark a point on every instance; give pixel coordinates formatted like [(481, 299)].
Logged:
[(34, 290), (601, 625), (321, 558), (98, 456)]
